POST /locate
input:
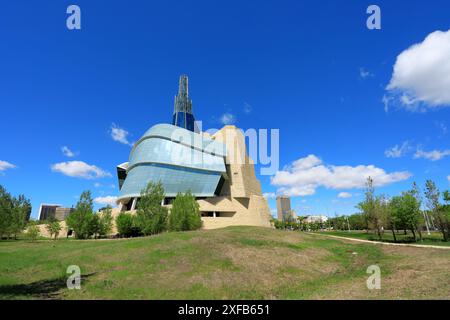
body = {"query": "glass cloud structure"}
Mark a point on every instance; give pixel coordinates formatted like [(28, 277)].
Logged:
[(180, 159)]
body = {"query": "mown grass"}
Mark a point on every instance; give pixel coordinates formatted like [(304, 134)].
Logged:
[(435, 238), (230, 263)]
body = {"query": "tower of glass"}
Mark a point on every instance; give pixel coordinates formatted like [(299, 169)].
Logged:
[(182, 113)]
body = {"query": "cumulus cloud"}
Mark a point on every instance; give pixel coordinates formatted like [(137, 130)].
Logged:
[(120, 135), (433, 155), (269, 195), (305, 175), (364, 74), (420, 79), (398, 151), (111, 200), (79, 169), (67, 152), (227, 118), (344, 195), (5, 165)]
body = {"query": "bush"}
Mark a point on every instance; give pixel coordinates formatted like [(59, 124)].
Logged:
[(126, 225), (185, 213), (151, 217), (33, 231)]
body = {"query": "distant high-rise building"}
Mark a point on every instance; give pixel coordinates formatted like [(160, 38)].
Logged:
[(284, 208), (182, 113)]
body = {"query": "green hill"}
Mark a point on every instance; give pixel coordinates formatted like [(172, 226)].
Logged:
[(231, 263)]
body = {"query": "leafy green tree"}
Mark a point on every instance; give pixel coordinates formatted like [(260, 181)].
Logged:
[(438, 211), (105, 222), (14, 213), (405, 211), (151, 216), (53, 227), (185, 213), (82, 220), (374, 209), (126, 226)]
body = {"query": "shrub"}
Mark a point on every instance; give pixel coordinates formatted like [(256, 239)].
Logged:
[(151, 217), (33, 231), (126, 225), (185, 213)]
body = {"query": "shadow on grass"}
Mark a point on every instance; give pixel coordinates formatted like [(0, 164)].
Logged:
[(43, 289), (410, 240)]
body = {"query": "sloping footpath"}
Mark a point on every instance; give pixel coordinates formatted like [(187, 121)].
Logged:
[(381, 242)]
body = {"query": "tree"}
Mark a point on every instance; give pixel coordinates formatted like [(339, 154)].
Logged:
[(438, 212), (53, 228), (82, 220), (14, 213), (405, 212), (185, 213), (151, 216), (125, 224), (374, 209), (105, 222)]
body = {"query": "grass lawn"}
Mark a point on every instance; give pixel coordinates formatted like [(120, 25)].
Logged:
[(230, 263), (435, 238)]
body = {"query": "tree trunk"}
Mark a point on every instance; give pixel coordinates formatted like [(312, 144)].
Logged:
[(393, 233), (414, 234)]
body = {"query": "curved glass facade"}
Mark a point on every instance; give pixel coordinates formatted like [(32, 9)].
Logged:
[(181, 159)]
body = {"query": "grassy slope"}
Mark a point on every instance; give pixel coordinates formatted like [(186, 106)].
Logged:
[(231, 263), (435, 238)]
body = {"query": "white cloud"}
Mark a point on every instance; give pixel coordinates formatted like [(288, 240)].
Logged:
[(398, 151), (448, 178), (67, 152), (120, 135), (442, 127), (247, 108), (433, 155), (228, 118), (111, 200), (364, 74), (5, 165), (386, 101), (269, 195), (344, 195), (420, 79), (79, 169), (305, 175)]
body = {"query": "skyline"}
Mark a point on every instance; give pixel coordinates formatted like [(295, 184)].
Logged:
[(348, 101)]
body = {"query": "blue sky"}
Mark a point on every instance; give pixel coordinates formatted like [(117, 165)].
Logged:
[(310, 69)]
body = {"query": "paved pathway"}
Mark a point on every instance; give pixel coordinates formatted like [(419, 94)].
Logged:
[(385, 243)]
